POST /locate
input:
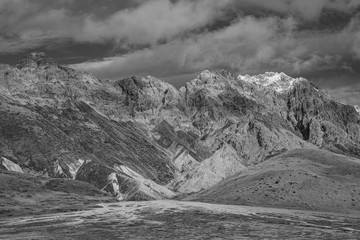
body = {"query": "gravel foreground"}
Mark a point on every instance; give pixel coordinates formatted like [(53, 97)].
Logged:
[(168, 219)]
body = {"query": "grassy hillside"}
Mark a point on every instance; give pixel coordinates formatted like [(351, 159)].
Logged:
[(301, 178)]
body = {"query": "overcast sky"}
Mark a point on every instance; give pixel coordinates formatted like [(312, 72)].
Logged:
[(174, 40)]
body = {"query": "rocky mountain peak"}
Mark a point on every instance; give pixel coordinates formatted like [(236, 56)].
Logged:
[(221, 80), (206, 75), (280, 82), (36, 60)]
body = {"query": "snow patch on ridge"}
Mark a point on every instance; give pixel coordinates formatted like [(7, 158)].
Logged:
[(280, 82)]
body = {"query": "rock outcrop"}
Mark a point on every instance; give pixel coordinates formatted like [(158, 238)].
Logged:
[(8, 165), (140, 138), (357, 108)]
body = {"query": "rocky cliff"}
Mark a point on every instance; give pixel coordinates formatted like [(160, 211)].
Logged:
[(140, 138)]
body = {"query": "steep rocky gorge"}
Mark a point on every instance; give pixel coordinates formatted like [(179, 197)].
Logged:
[(139, 138)]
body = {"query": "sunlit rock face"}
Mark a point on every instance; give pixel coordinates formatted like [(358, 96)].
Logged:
[(357, 108), (140, 138), (8, 165)]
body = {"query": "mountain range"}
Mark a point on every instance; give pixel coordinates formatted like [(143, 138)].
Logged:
[(264, 140)]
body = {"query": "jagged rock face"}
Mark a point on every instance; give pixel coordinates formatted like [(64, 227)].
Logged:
[(146, 100), (276, 100), (44, 86), (148, 93), (229, 111), (322, 120), (136, 135)]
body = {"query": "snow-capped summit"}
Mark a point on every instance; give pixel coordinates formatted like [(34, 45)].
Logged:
[(280, 82)]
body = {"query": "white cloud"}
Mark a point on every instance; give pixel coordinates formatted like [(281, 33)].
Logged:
[(153, 21)]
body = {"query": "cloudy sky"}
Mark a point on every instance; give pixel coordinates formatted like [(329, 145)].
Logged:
[(174, 40)]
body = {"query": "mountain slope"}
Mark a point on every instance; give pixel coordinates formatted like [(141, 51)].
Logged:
[(25, 194), (300, 178), (47, 127)]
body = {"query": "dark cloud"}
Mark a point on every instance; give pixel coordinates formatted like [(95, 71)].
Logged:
[(29, 24), (348, 94)]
